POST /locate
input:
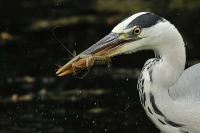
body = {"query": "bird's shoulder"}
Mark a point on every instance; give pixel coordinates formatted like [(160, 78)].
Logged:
[(187, 88)]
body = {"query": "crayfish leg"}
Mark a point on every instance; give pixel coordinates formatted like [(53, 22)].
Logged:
[(86, 73)]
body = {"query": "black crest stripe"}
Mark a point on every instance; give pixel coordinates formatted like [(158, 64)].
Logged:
[(145, 20)]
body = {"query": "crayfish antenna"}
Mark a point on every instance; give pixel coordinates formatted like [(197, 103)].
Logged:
[(57, 66)]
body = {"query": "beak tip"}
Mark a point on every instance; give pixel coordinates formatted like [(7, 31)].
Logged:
[(59, 75), (57, 72)]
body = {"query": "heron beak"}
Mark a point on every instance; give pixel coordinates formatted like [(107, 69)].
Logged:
[(109, 46)]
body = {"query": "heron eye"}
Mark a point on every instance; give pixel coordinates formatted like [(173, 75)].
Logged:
[(137, 31)]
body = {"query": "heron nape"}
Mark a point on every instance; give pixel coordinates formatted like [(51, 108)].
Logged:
[(169, 95)]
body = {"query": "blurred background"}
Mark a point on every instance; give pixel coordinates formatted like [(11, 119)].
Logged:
[(33, 99)]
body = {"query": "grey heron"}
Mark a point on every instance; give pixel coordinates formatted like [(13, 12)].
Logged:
[(169, 95)]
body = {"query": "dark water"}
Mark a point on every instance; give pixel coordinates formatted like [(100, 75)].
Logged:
[(92, 105), (34, 99)]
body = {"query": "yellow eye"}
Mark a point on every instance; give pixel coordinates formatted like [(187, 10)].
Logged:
[(137, 31)]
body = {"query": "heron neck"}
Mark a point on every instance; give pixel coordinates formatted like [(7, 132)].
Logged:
[(165, 73), (173, 57), (172, 64)]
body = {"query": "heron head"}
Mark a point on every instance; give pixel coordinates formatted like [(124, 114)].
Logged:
[(140, 31)]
